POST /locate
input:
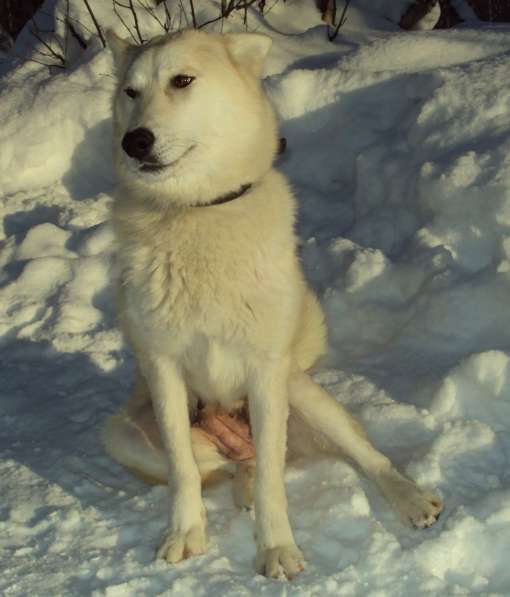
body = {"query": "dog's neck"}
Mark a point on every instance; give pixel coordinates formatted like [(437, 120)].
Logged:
[(282, 146), (227, 197)]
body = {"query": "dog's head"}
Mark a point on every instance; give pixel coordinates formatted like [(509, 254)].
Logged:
[(191, 121)]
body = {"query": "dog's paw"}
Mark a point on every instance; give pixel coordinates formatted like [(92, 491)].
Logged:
[(180, 546), (418, 507), (285, 561)]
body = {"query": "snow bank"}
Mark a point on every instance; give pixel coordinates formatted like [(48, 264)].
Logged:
[(48, 136), (478, 388)]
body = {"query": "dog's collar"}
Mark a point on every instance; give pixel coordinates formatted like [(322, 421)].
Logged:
[(227, 197), (282, 146)]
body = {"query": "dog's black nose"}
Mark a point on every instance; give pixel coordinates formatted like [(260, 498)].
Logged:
[(138, 143)]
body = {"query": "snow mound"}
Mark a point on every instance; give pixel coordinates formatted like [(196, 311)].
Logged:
[(33, 155), (478, 388)]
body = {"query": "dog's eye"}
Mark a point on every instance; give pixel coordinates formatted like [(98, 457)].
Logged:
[(180, 81), (132, 93)]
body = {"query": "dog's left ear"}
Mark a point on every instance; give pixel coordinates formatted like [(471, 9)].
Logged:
[(119, 47), (249, 50)]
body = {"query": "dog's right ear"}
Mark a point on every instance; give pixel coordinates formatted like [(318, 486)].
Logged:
[(249, 50), (119, 47)]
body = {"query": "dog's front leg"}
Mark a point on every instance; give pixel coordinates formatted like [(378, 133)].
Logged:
[(268, 404), (186, 535)]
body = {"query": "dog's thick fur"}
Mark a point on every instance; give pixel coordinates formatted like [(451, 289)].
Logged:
[(212, 297)]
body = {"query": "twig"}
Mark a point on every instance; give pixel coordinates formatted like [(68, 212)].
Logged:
[(135, 20), (183, 12), (193, 17), (151, 12), (26, 58), (121, 19), (210, 21), (76, 35), (228, 9), (35, 31), (343, 18), (96, 24), (48, 14), (66, 29), (168, 17)]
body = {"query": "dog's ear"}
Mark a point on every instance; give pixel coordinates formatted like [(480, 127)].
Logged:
[(120, 49), (249, 50)]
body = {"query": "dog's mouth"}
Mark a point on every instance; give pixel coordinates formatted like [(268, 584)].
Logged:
[(155, 166)]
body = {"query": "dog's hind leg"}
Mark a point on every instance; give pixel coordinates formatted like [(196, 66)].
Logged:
[(243, 484), (132, 438), (327, 417)]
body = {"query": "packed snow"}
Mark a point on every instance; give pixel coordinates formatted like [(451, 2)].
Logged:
[(399, 154)]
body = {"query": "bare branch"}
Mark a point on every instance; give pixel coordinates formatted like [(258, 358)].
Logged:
[(36, 32), (121, 19), (96, 24), (341, 22), (193, 17), (76, 35), (31, 59), (135, 20), (168, 17), (66, 29), (182, 12), (227, 9), (48, 14), (151, 12), (204, 24)]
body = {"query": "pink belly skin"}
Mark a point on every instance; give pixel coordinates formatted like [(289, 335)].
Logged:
[(229, 433)]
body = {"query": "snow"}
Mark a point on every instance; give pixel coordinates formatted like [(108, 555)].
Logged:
[(398, 151)]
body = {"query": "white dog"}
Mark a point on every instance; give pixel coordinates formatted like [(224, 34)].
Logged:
[(213, 298)]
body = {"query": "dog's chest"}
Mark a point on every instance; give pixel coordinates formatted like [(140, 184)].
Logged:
[(215, 371), (184, 305), (185, 287), (164, 289)]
